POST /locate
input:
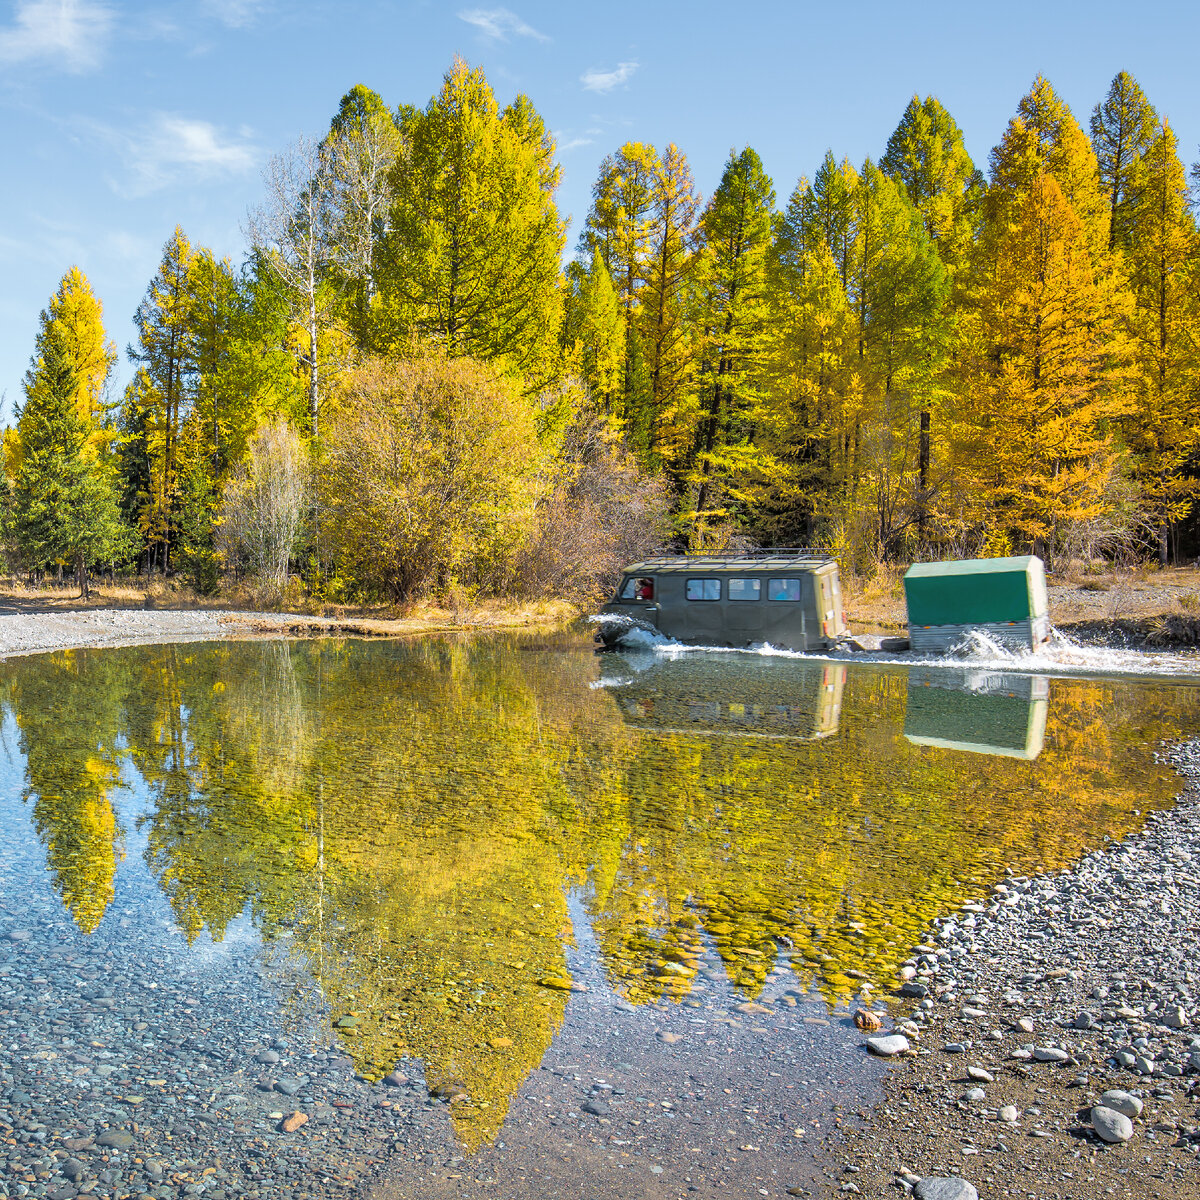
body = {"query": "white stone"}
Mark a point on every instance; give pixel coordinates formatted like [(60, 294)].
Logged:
[(888, 1045), (1111, 1125), (934, 1187)]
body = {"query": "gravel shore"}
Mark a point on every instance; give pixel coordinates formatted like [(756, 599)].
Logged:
[(1033, 1004), (33, 633)]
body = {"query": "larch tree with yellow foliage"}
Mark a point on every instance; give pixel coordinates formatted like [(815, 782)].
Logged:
[(618, 228), (1163, 266), (472, 257), (158, 399), (1045, 394), (75, 316), (726, 464)]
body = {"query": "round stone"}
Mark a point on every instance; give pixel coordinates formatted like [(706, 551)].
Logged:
[(1111, 1125)]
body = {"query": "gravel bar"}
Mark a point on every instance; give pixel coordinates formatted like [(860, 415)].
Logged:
[(1055, 1035), (36, 633)]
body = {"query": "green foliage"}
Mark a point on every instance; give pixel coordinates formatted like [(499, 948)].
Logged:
[(736, 233), (63, 500), (1123, 127), (196, 554), (471, 259)]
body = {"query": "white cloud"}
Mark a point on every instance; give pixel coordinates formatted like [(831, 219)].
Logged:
[(605, 81), (72, 33), (170, 147), (499, 24), (237, 14), (574, 144)]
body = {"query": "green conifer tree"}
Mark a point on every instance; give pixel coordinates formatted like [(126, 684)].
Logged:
[(64, 500), (736, 230)]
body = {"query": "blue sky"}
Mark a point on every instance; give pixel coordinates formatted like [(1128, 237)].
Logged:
[(120, 120)]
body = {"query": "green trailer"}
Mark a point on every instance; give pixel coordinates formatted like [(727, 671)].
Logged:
[(1004, 598)]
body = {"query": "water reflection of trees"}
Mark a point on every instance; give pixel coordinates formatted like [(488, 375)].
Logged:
[(410, 817)]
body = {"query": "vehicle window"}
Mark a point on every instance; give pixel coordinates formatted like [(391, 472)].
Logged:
[(628, 589), (645, 589), (783, 589), (703, 589), (745, 589)]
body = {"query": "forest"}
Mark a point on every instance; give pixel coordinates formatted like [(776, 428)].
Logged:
[(402, 391)]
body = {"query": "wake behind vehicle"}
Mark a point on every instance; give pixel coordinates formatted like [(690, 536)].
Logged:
[(789, 598)]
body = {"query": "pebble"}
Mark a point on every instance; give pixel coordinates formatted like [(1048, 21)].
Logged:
[(665, 1035), (951, 1187), (1049, 1054), (1111, 1125), (1009, 1114), (954, 1047), (888, 1045), (980, 1074)]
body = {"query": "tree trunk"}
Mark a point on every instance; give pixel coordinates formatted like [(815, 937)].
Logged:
[(81, 573), (1163, 544), (923, 477), (314, 390)]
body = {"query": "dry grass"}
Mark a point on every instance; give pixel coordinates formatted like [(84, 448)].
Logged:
[(456, 613), (876, 602)]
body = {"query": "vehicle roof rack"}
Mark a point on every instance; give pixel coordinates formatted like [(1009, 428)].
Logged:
[(732, 557)]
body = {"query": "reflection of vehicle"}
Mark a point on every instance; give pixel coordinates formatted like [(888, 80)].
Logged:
[(787, 598), (985, 712), (759, 698)]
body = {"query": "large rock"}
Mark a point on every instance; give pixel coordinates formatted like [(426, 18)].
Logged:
[(1111, 1125), (951, 1187), (888, 1045), (1122, 1102)]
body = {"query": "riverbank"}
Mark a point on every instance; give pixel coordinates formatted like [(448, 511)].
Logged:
[(35, 631), (1031, 1005)]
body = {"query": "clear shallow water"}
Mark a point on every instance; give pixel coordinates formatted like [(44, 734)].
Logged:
[(408, 853)]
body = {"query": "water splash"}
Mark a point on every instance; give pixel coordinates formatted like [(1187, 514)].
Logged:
[(1059, 655)]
